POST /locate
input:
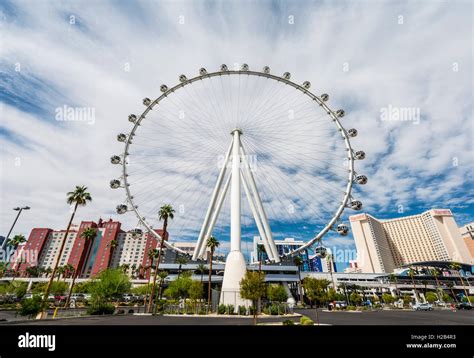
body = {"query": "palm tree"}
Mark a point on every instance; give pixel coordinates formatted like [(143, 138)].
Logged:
[(125, 268), (33, 271), (450, 286), (70, 269), (411, 273), (139, 271), (88, 235), (181, 260), (48, 271), (78, 197), (162, 275), (425, 284), (14, 243), (393, 278), (457, 267), (166, 212), (201, 269), (212, 244), (152, 255), (298, 261), (435, 274), (61, 270)]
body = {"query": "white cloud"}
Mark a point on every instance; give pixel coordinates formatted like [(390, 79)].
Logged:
[(408, 65)]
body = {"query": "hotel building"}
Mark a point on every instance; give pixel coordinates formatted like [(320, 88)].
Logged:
[(111, 247), (383, 245), (467, 233)]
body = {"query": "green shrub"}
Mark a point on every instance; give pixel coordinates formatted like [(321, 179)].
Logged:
[(242, 310), (230, 309), (304, 318), (83, 287), (431, 297), (221, 309), (57, 288), (31, 306), (101, 309), (351, 308), (306, 321), (276, 293), (274, 310), (288, 322)]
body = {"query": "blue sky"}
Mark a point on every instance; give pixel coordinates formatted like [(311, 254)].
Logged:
[(109, 55)]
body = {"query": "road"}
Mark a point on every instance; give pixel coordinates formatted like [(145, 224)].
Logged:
[(328, 318), (392, 317)]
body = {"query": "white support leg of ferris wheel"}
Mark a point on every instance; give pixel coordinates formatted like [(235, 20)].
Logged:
[(215, 215), (258, 222), (253, 187), (235, 265), (200, 243)]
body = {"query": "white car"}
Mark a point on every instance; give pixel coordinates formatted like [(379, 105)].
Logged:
[(422, 307)]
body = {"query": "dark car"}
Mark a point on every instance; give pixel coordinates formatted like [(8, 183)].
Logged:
[(464, 306)]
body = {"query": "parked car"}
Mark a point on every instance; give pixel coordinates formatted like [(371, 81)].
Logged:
[(127, 298), (464, 306), (341, 304), (77, 297), (422, 307)]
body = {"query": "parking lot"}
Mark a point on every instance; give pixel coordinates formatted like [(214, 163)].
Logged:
[(380, 317)]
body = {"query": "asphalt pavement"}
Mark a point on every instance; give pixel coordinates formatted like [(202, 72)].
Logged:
[(380, 317)]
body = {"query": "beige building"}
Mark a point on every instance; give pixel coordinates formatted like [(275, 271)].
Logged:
[(383, 245), (467, 233), (50, 253), (130, 250)]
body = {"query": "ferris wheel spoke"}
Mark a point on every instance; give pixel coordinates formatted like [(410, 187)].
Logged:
[(302, 154)]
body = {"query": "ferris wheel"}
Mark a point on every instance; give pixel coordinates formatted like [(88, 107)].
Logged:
[(247, 145)]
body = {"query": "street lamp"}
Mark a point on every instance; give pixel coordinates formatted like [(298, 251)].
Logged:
[(19, 209)]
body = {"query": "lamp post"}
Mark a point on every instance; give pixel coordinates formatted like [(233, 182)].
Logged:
[(19, 209)]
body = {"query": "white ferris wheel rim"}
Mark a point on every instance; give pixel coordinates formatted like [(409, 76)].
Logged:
[(351, 172)]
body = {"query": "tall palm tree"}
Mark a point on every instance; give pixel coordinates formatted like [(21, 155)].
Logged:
[(181, 260), (457, 267), (166, 212), (411, 273), (78, 197), (152, 255), (88, 234), (201, 269), (450, 286), (435, 274), (298, 261), (212, 244)]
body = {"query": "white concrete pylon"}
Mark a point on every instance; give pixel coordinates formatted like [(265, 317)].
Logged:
[(273, 253), (201, 243), (239, 176)]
